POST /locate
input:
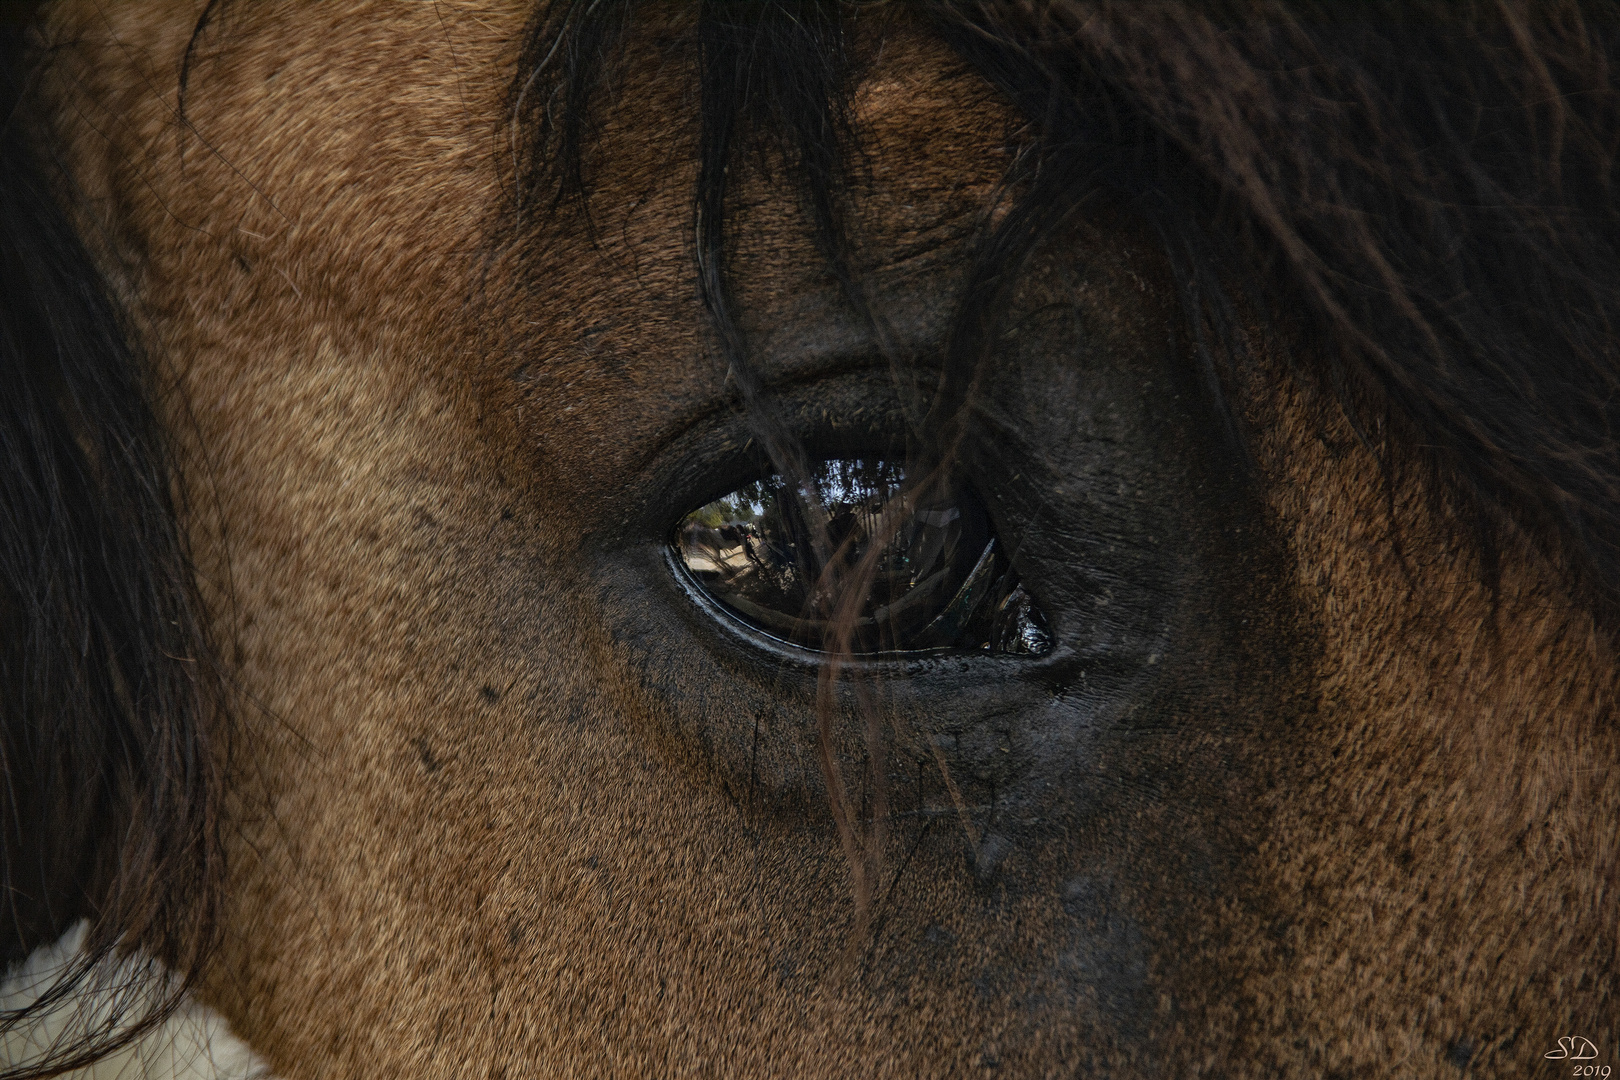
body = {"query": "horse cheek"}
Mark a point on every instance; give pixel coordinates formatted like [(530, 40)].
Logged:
[(1434, 842)]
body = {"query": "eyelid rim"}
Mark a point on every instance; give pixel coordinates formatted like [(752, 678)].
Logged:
[(799, 655)]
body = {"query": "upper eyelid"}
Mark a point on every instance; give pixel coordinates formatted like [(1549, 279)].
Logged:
[(676, 427)]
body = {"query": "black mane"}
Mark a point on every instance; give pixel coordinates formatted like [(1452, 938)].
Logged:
[(1426, 191), (107, 690)]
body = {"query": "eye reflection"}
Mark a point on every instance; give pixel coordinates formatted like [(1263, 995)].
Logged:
[(940, 578)]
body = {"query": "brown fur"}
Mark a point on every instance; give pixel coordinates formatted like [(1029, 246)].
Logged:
[(467, 839)]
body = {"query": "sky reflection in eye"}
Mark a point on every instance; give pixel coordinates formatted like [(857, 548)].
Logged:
[(939, 578)]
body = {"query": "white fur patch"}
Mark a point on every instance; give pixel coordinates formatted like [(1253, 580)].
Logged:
[(193, 1044)]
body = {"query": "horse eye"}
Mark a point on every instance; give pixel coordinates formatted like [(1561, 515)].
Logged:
[(929, 572)]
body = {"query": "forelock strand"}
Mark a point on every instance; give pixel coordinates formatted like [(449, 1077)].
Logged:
[(1423, 191)]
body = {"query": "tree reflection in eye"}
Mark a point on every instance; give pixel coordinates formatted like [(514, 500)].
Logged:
[(939, 579)]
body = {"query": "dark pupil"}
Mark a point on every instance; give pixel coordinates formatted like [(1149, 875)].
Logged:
[(938, 581)]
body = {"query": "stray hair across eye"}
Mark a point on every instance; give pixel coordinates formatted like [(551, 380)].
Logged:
[(943, 580)]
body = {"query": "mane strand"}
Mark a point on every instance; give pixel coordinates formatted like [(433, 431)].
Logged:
[(109, 701), (1426, 191)]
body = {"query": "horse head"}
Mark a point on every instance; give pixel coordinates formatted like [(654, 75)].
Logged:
[(809, 539)]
